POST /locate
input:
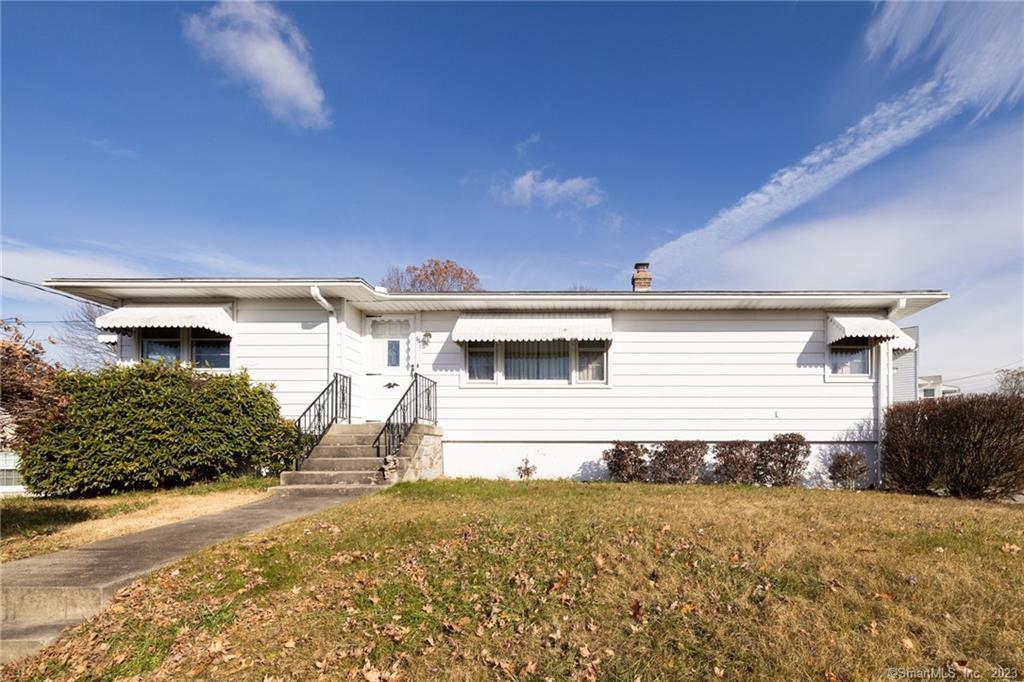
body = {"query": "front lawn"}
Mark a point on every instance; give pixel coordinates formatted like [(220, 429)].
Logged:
[(475, 579), (32, 525)]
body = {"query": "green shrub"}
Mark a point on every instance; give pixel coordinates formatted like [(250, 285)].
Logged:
[(677, 461), (966, 446), (626, 461), (781, 460), (734, 461), (153, 425)]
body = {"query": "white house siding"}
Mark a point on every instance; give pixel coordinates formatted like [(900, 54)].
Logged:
[(904, 372), (353, 360), (714, 376), (284, 343)]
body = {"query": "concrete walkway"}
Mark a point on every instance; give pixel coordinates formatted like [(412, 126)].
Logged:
[(42, 595)]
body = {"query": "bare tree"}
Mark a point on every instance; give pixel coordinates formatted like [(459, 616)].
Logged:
[(581, 287), (1011, 382), (79, 335), (433, 275)]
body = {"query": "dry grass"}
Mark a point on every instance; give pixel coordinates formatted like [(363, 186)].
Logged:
[(479, 580), (31, 526)]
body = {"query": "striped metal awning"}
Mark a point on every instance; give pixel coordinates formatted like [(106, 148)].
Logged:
[(876, 327), (216, 318), (532, 327)]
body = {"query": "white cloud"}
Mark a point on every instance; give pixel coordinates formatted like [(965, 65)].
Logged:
[(112, 148), (263, 47), (957, 224), (34, 264), (532, 187), (523, 146), (977, 49)]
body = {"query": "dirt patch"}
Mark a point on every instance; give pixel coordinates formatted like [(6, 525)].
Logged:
[(120, 518)]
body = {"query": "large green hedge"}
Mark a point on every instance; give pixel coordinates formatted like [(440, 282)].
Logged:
[(154, 425)]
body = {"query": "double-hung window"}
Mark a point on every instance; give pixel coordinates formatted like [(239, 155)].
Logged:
[(210, 349), (591, 362), (850, 358), (480, 361), (161, 343)]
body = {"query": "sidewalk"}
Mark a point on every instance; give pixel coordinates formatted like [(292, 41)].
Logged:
[(42, 595)]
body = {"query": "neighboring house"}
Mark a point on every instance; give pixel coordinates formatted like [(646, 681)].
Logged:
[(931, 386), (554, 376), (904, 368)]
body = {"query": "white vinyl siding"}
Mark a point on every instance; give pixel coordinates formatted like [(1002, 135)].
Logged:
[(713, 375), (284, 343)]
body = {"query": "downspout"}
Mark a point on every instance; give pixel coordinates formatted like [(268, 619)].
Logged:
[(332, 331)]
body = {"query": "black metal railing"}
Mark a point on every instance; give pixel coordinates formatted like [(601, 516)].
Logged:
[(418, 404), (333, 405)]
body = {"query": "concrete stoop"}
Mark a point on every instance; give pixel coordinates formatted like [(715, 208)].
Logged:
[(346, 460)]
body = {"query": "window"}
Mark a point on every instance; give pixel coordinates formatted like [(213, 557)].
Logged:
[(161, 343), (850, 359), (556, 363), (480, 361), (929, 393), (394, 352), (210, 349), (390, 338), (590, 362), (537, 361)]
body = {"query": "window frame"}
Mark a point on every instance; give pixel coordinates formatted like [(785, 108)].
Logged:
[(185, 350), (192, 348), (871, 350), (494, 346), (501, 381), (576, 362)]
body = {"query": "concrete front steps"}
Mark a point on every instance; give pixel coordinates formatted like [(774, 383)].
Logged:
[(346, 461)]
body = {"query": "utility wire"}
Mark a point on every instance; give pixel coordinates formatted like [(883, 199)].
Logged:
[(48, 290), (982, 374)]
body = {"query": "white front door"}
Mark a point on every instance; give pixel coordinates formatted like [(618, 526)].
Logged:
[(389, 370)]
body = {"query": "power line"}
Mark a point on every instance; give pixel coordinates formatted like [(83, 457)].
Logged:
[(48, 290), (982, 374)]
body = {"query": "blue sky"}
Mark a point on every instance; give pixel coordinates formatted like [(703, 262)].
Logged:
[(828, 145)]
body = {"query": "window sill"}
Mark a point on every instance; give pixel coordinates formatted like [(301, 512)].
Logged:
[(547, 385), (849, 378)]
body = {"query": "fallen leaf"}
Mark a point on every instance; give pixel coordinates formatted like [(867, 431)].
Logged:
[(831, 677), (427, 608), (637, 611), (907, 643), (584, 652), (1007, 548), (599, 562), (290, 644), (719, 672), (960, 667), (884, 596)]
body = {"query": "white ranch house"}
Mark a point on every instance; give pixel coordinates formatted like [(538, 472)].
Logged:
[(550, 375)]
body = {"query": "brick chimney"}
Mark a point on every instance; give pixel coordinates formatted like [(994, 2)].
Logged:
[(641, 277)]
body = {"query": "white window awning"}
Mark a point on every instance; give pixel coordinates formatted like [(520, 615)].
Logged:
[(532, 327), (876, 327), (216, 318)]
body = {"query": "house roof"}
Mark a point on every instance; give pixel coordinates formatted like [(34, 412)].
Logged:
[(117, 291)]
